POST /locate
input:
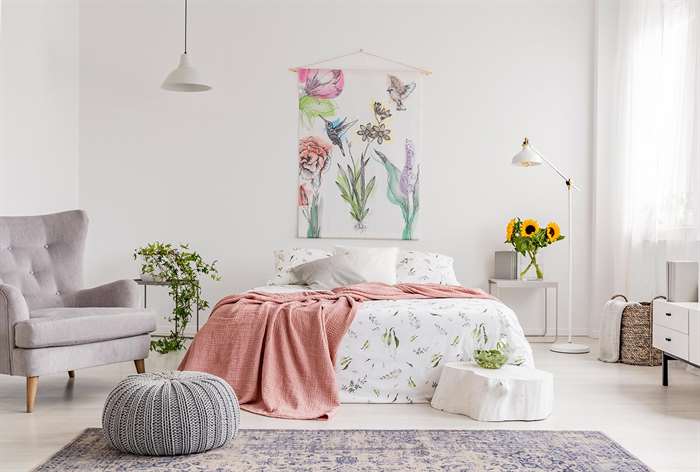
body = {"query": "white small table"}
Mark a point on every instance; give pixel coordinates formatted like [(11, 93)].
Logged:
[(496, 284), (511, 393)]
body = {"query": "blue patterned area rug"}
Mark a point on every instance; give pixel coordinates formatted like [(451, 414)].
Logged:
[(388, 450)]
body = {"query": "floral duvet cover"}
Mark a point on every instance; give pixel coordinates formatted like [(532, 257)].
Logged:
[(395, 349)]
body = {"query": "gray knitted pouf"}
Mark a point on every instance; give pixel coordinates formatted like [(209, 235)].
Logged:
[(170, 413)]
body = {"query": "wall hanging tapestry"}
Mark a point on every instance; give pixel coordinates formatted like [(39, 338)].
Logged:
[(359, 153)]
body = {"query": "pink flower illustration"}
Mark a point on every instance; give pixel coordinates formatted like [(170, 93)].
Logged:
[(322, 83), (314, 158), (303, 197)]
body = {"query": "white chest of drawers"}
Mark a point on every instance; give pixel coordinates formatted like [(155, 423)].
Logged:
[(677, 333)]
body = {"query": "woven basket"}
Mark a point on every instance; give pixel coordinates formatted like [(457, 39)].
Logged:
[(636, 335)]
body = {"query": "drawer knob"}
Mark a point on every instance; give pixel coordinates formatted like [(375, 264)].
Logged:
[(668, 314), (668, 339)]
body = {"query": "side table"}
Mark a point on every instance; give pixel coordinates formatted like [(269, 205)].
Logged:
[(495, 285), (511, 393)]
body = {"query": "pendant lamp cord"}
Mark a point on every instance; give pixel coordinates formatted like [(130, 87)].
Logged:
[(185, 26)]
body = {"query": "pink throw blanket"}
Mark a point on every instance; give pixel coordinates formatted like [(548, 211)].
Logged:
[(278, 351)]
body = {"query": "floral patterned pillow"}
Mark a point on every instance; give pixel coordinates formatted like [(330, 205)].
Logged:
[(425, 268), (285, 259)]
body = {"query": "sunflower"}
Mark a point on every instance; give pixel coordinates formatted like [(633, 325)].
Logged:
[(528, 228), (553, 232), (509, 230)]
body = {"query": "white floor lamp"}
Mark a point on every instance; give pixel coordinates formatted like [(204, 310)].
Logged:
[(527, 157)]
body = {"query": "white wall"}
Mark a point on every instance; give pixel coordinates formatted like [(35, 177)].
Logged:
[(38, 106), (604, 98), (219, 169)]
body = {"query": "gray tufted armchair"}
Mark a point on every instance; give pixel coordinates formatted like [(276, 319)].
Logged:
[(48, 322)]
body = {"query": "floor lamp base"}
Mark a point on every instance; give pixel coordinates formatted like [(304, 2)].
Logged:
[(570, 348)]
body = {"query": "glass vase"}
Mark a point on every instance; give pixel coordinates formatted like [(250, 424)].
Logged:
[(532, 265)]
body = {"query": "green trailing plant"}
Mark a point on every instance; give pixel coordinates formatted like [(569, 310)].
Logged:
[(180, 268)]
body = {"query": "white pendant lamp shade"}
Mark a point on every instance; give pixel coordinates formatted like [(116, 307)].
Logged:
[(184, 78), (526, 157)]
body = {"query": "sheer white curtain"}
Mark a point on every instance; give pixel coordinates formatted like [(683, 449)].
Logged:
[(647, 207)]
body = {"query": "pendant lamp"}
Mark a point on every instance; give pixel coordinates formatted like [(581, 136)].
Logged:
[(185, 78)]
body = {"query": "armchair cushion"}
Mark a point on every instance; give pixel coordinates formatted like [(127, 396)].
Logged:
[(51, 327), (122, 293)]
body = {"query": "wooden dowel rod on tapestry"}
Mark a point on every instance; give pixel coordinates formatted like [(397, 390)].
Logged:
[(362, 51)]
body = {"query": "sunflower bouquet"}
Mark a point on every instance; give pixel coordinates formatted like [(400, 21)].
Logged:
[(527, 237)]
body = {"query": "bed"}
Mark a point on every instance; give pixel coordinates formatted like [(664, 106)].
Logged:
[(394, 350)]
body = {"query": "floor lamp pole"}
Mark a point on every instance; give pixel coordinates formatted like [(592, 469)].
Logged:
[(569, 347)]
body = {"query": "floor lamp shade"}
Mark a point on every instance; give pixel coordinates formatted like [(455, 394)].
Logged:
[(184, 78), (526, 157)]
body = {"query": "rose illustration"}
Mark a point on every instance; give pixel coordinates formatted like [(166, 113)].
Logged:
[(314, 158)]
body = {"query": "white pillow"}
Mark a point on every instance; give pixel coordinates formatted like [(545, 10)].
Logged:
[(425, 268), (374, 264), (328, 273), (285, 259)]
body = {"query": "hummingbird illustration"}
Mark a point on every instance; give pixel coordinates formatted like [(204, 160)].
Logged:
[(337, 129), (398, 91)]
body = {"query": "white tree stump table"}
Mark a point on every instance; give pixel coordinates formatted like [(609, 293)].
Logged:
[(506, 394)]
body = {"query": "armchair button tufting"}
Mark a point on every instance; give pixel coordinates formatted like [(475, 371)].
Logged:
[(46, 246), (58, 292)]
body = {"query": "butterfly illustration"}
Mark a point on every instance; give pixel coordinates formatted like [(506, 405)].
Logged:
[(337, 129), (399, 92)]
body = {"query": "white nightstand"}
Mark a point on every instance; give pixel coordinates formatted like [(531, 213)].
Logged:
[(676, 333), (496, 284)]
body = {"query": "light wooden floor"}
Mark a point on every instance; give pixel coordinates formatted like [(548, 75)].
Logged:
[(659, 425)]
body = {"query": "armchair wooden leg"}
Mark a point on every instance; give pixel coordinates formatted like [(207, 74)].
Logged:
[(71, 374), (32, 384), (140, 366)]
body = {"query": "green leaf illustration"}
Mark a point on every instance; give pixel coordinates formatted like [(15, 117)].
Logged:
[(393, 192), (313, 107), (390, 339)]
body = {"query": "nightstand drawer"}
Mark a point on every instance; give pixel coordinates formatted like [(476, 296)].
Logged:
[(671, 341), (671, 316)]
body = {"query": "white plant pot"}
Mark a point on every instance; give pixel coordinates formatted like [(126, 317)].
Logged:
[(169, 361)]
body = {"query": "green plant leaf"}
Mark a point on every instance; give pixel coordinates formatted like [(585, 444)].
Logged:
[(313, 107), (393, 175)]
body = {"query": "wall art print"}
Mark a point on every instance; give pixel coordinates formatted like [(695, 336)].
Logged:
[(359, 153)]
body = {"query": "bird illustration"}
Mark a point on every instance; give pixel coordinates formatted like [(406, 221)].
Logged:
[(399, 92), (337, 129)]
